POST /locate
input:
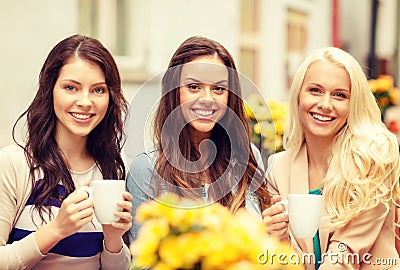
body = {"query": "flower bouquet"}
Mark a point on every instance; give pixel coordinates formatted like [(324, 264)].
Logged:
[(186, 234), (267, 122), (384, 91)]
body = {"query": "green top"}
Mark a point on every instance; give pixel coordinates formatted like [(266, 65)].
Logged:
[(317, 245)]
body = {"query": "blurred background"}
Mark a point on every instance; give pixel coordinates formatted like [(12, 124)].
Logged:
[(267, 38)]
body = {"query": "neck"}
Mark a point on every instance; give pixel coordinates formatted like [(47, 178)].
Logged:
[(75, 152), (318, 152), (319, 149), (197, 137)]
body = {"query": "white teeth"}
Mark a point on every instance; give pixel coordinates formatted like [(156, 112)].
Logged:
[(204, 112), (321, 117), (81, 116)]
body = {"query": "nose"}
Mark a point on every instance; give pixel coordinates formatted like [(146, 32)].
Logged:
[(325, 103), (206, 98), (84, 99)]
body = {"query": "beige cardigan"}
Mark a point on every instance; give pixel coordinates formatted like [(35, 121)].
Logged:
[(367, 234), (15, 189)]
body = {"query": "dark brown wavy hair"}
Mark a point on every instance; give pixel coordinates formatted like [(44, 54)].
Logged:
[(104, 141), (230, 136)]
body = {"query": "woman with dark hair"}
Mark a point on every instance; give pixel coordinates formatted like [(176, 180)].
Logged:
[(74, 135), (201, 136)]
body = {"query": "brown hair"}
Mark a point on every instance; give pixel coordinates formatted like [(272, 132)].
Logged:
[(233, 128), (104, 141)]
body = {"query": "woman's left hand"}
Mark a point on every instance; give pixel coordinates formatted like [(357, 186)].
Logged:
[(113, 232)]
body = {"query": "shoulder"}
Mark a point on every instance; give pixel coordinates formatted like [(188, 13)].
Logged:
[(142, 166), (13, 156), (144, 160), (14, 170), (280, 157), (257, 155)]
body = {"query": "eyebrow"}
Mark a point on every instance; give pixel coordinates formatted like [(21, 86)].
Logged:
[(76, 82), (317, 84), (198, 81)]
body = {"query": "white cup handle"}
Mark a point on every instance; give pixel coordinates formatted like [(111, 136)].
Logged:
[(86, 189), (284, 202)]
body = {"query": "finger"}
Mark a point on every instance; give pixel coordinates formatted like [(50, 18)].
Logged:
[(76, 207), (124, 216), (276, 198), (81, 218), (121, 225), (270, 220), (274, 210), (78, 195), (84, 204), (281, 234), (125, 205), (84, 221), (86, 212), (127, 196), (277, 226)]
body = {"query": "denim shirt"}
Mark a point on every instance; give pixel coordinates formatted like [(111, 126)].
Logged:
[(139, 183)]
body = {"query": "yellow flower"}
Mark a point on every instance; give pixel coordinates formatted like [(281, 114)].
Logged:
[(372, 84), (257, 128), (144, 248), (384, 91), (176, 252), (384, 82), (206, 238), (249, 111), (162, 266), (394, 94), (268, 122)]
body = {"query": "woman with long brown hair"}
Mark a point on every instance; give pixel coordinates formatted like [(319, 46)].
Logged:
[(201, 136), (74, 135)]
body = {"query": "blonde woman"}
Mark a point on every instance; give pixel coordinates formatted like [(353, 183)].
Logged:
[(337, 145)]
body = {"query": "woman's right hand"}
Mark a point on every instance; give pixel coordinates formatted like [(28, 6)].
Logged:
[(276, 219), (76, 210)]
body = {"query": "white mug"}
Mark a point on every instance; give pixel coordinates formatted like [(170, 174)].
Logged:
[(304, 212), (105, 195)]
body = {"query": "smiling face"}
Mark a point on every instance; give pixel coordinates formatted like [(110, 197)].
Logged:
[(324, 100), (81, 98), (203, 93)]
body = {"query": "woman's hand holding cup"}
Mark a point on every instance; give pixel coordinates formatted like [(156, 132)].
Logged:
[(112, 208), (113, 232), (301, 212), (276, 218)]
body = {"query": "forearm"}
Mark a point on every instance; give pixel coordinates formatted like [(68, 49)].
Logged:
[(20, 254), (113, 244), (47, 237)]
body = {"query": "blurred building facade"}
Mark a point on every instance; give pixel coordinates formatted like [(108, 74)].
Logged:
[(267, 38)]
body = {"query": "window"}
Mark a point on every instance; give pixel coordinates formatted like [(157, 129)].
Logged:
[(249, 40), (296, 42), (121, 26)]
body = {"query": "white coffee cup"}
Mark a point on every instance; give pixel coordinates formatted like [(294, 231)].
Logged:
[(105, 195), (304, 212)]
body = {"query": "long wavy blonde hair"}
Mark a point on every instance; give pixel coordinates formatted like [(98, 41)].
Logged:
[(364, 165)]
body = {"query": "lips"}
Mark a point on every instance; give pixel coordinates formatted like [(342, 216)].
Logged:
[(204, 113), (81, 116), (322, 118)]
